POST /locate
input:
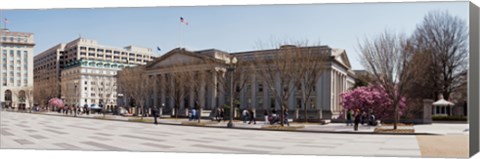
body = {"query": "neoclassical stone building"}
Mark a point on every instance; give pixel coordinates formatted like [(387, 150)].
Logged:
[(210, 69), (16, 79)]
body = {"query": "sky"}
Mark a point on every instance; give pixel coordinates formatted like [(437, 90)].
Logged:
[(227, 28)]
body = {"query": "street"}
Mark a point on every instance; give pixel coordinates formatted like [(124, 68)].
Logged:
[(36, 131)]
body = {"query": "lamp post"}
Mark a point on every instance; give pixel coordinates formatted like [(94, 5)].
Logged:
[(161, 109), (231, 68), (63, 101), (120, 97), (75, 103)]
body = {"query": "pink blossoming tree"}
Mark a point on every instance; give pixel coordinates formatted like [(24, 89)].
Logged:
[(371, 98), (55, 102)]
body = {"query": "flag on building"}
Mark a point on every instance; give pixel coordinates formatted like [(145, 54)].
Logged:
[(158, 48), (183, 21)]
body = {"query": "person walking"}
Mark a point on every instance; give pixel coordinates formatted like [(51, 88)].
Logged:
[(357, 119), (220, 114), (193, 114), (155, 113), (363, 117), (251, 116), (285, 117), (349, 117), (244, 115), (266, 117)]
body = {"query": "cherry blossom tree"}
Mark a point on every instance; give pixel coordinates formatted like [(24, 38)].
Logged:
[(371, 98), (55, 102)]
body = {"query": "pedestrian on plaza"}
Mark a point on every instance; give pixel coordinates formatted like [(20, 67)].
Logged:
[(371, 120), (363, 117), (266, 116), (273, 118), (219, 114), (357, 119), (349, 117), (251, 116), (285, 117), (155, 113), (244, 115), (222, 114), (194, 114)]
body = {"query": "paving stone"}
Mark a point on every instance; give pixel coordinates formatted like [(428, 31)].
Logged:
[(23, 141), (103, 146)]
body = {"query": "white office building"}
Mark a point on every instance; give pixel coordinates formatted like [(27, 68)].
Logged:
[(16, 80)]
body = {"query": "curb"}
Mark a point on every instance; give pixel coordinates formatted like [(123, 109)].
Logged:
[(240, 128)]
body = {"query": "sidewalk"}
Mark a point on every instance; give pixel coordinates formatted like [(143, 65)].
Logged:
[(308, 127)]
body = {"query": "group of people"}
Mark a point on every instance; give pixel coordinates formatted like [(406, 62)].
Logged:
[(248, 114), (359, 117), (273, 118), (71, 110)]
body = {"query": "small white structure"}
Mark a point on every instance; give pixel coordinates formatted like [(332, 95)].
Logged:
[(442, 107)]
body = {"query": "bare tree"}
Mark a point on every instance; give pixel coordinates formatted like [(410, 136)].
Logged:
[(312, 66), (179, 87), (241, 74), (136, 85), (44, 91), (105, 87), (387, 59), (441, 41), (20, 94), (280, 69)]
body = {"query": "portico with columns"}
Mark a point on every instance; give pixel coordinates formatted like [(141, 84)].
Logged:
[(211, 69)]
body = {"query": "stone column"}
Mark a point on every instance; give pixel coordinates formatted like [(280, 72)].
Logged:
[(162, 92), (243, 103), (266, 96), (214, 90), (277, 87), (172, 88), (221, 100), (202, 89), (191, 97), (253, 97), (155, 93)]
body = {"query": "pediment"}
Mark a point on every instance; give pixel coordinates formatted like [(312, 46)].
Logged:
[(342, 58), (176, 59)]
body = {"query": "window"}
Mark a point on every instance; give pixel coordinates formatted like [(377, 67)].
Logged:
[(92, 94), (85, 88), (260, 87)]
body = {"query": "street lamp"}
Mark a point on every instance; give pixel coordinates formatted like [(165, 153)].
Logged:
[(231, 68), (161, 109), (63, 101), (120, 97), (75, 103)]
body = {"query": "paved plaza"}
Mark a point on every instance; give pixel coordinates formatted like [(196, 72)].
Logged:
[(39, 131)]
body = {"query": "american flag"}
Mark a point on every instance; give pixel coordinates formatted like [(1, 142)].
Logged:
[(183, 21)]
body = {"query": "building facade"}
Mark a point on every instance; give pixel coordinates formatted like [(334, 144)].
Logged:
[(16, 68), (211, 69), (62, 65), (91, 83)]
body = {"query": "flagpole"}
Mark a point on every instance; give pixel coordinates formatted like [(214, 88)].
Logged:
[(180, 34)]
